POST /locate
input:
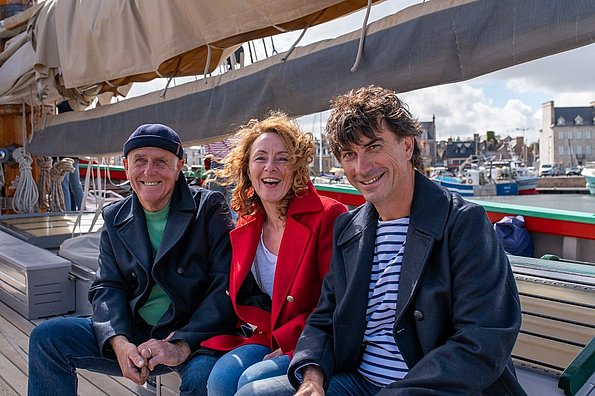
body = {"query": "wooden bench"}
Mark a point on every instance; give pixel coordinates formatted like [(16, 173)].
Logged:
[(558, 312)]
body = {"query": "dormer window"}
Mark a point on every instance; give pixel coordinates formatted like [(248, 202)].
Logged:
[(561, 121), (578, 120)]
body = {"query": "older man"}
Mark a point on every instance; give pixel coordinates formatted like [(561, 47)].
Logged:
[(420, 298), (160, 289)]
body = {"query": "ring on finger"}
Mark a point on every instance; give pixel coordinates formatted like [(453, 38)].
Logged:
[(150, 352)]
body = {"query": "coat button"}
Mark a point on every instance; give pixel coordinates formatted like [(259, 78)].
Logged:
[(133, 275), (289, 298), (418, 315), (227, 292), (180, 270)]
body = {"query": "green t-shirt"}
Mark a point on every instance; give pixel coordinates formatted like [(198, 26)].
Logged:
[(158, 301)]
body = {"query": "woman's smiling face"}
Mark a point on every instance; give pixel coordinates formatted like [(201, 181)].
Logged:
[(268, 168)]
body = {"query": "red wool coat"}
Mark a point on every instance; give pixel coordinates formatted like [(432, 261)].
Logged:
[(303, 260)]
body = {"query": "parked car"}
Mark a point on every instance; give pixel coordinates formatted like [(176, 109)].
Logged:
[(574, 171), (549, 170)]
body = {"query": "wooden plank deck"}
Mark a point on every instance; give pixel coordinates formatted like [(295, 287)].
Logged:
[(14, 341)]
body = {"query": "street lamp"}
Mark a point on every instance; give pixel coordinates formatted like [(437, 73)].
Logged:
[(524, 152)]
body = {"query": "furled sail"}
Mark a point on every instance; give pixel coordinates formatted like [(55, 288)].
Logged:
[(81, 49)]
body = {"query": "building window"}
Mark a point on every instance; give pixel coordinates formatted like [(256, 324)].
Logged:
[(560, 135), (579, 150), (588, 150), (561, 121), (579, 134), (578, 120), (570, 135), (588, 135), (560, 150)]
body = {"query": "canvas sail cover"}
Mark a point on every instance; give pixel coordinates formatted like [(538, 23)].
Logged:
[(83, 48), (431, 43)]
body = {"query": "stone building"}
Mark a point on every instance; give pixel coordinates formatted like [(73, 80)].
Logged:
[(567, 136)]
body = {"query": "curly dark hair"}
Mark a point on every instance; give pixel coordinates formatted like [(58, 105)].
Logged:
[(360, 112), (234, 172)]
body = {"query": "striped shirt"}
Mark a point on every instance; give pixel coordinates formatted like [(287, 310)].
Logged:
[(382, 362)]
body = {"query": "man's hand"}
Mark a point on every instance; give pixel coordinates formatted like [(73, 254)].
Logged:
[(313, 383), (164, 352), (131, 363)]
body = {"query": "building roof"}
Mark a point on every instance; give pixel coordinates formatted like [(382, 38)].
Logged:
[(570, 114), (460, 149)]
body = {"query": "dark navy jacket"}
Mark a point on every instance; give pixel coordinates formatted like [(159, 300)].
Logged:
[(192, 267), (457, 313)]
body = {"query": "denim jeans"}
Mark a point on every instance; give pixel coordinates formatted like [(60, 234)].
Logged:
[(343, 384), (244, 365), (59, 346), (72, 188)]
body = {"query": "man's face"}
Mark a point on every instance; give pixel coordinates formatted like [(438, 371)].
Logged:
[(152, 173), (381, 170)]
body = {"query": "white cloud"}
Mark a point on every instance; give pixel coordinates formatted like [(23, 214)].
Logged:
[(462, 109)]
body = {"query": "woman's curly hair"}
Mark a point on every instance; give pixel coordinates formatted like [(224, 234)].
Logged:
[(234, 172), (360, 113)]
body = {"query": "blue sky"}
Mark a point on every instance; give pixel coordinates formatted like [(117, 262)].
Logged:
[(501, 101)]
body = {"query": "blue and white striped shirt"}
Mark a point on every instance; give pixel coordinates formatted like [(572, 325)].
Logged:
[(382, 363)]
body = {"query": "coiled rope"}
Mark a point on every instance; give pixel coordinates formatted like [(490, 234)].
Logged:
[(26, 194), (57, 175), (2, 183), (45, 182)]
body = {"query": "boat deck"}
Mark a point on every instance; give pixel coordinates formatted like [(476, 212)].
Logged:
[(584, 203), (14, 340)]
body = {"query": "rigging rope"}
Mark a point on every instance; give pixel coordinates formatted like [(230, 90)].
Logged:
[(26, 194), (2, 183), (296, 43), (57, 175), (362, 37), (45, 182)]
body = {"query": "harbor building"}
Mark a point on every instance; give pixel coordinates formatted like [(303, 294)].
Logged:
[(567, 135)]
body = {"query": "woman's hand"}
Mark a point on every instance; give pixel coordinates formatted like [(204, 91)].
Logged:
[(273, 354)]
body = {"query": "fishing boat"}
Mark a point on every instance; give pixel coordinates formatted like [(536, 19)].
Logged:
[(547, 355), (525, 179), (526, 184), (589, 173), (474, 183)]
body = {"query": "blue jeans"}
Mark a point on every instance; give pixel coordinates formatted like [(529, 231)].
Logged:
[(343, 384), (72, 188), (244, 365), (59, 346)]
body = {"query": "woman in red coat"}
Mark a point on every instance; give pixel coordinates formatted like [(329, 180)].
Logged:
[(281, 249)]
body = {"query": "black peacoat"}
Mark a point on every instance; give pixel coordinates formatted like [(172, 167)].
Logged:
[(192, 267), (457, 312)]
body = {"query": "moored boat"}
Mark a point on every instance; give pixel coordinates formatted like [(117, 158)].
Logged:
[(526, 181), (527, 184), (475, 184), (589, 173)]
